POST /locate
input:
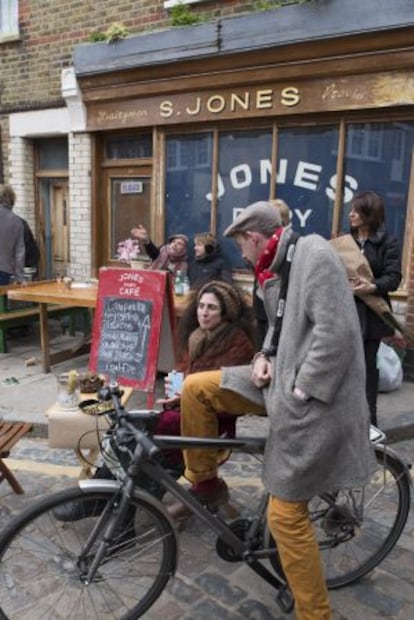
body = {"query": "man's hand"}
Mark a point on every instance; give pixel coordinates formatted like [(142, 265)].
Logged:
[(261, 371), (363, 286), (140, 233)]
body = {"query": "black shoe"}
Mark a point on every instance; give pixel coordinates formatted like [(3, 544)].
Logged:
[(76, 510)]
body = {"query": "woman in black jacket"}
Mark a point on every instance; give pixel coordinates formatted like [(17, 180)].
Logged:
[(367, 218), (208, 263)]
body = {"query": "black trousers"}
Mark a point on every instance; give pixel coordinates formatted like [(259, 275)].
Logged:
[(372, 376)]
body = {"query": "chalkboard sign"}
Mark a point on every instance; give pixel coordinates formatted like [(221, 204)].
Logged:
[(134, 323), (123, 346)]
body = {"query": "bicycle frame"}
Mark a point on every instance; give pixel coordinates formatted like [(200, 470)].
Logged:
[(156, 471)]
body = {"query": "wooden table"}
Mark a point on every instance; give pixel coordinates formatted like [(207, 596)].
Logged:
[(51, 292)]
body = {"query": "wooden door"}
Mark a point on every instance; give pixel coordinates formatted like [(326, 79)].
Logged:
[(59, 218), (126, 203)]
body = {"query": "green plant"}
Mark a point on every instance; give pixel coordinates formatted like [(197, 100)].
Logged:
[(94, 37), (267, 5), (116, 32), (181, 15)]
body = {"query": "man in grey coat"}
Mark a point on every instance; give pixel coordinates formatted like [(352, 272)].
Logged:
[(309, 378), (12, 248)]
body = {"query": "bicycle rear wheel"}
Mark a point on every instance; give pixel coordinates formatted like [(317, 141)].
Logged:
[(351, 546), (43, 564)]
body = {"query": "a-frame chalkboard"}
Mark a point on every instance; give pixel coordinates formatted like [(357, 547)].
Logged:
[(134, 326)]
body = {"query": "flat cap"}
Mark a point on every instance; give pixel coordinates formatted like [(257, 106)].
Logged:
[(257, 217)]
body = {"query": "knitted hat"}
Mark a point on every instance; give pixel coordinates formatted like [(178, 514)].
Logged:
[(257, 217), (228, 295), (178, 236)]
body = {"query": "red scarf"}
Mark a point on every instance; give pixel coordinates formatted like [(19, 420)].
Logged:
[(261, 270)]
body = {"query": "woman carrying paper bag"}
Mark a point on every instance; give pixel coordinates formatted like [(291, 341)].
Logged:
[(373, 262)]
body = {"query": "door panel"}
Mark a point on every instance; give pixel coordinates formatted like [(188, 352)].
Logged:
[(127, 203), (54, 226)]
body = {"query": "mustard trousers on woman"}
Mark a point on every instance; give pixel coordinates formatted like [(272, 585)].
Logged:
[(201, 400)]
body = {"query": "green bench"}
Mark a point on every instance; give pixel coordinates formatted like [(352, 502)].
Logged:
[(12, 316)]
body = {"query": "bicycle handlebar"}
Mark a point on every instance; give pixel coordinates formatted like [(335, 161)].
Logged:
[(126, 419)]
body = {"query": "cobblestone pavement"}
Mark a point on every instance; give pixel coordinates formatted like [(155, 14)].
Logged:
[(206, 587)]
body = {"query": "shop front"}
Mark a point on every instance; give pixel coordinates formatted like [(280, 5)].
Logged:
[(181, 146)]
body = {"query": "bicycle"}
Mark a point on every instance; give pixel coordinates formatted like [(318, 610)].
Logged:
[(115, 560)]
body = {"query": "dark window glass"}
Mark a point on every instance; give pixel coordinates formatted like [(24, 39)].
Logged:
[(53, 153), (128, 147), (244, 177), (188, 184), (380, 160), (306, 176)]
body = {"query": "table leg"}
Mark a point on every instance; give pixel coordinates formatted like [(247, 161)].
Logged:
[(44, 338)]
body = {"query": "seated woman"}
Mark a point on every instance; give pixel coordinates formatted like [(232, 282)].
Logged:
[(208, 263), (170, 257), (215, 330)]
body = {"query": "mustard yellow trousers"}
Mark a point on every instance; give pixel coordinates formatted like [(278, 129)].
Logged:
[(201, 400)]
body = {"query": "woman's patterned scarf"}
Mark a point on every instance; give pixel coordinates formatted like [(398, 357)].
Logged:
[(261, 270), (170, 259)]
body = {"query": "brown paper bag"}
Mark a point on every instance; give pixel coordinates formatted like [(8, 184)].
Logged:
[(357, 266)]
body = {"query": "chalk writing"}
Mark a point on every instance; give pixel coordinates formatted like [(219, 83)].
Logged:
[(123, 346)]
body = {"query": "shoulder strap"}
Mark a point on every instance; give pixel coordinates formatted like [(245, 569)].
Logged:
[(284, 274)]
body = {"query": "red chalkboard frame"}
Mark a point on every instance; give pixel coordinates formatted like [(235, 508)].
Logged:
[(142, 285)]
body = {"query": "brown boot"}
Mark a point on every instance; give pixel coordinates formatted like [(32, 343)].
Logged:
[(211, 493)]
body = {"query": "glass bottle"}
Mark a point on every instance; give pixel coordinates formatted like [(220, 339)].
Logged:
[(178, 284)]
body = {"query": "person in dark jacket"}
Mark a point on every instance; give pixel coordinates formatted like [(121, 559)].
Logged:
[(31, 248), (208, 263), (367, 221), (12, 250), (170, 257)]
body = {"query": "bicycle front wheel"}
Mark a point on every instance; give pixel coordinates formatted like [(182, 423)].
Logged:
[(44, 560), (353, 544)]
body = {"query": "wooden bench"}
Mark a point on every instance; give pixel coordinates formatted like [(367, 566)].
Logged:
[(13, 317), (10, 433)]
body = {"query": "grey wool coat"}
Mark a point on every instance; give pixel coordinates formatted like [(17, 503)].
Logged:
[(321, 444)]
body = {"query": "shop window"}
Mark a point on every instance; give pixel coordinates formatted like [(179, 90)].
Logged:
[(177, 153), (188, 184), (9, 18), (306, 176), (244, 177), (364, 141), (128, 147), (398, 150), (52, 153), (387, 173)]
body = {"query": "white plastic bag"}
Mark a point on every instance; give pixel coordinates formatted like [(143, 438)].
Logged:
[(390, 369)]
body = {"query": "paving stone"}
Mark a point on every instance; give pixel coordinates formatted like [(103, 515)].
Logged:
[(217, 586), (255, 610)]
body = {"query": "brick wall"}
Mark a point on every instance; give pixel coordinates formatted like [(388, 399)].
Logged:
[(30, 67), (21, 177), (80, 161)]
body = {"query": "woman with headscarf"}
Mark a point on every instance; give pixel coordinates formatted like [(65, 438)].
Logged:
[(215, 330), (170, 257)]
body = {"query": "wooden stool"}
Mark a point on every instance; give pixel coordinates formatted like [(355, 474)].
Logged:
[(10, 433)]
